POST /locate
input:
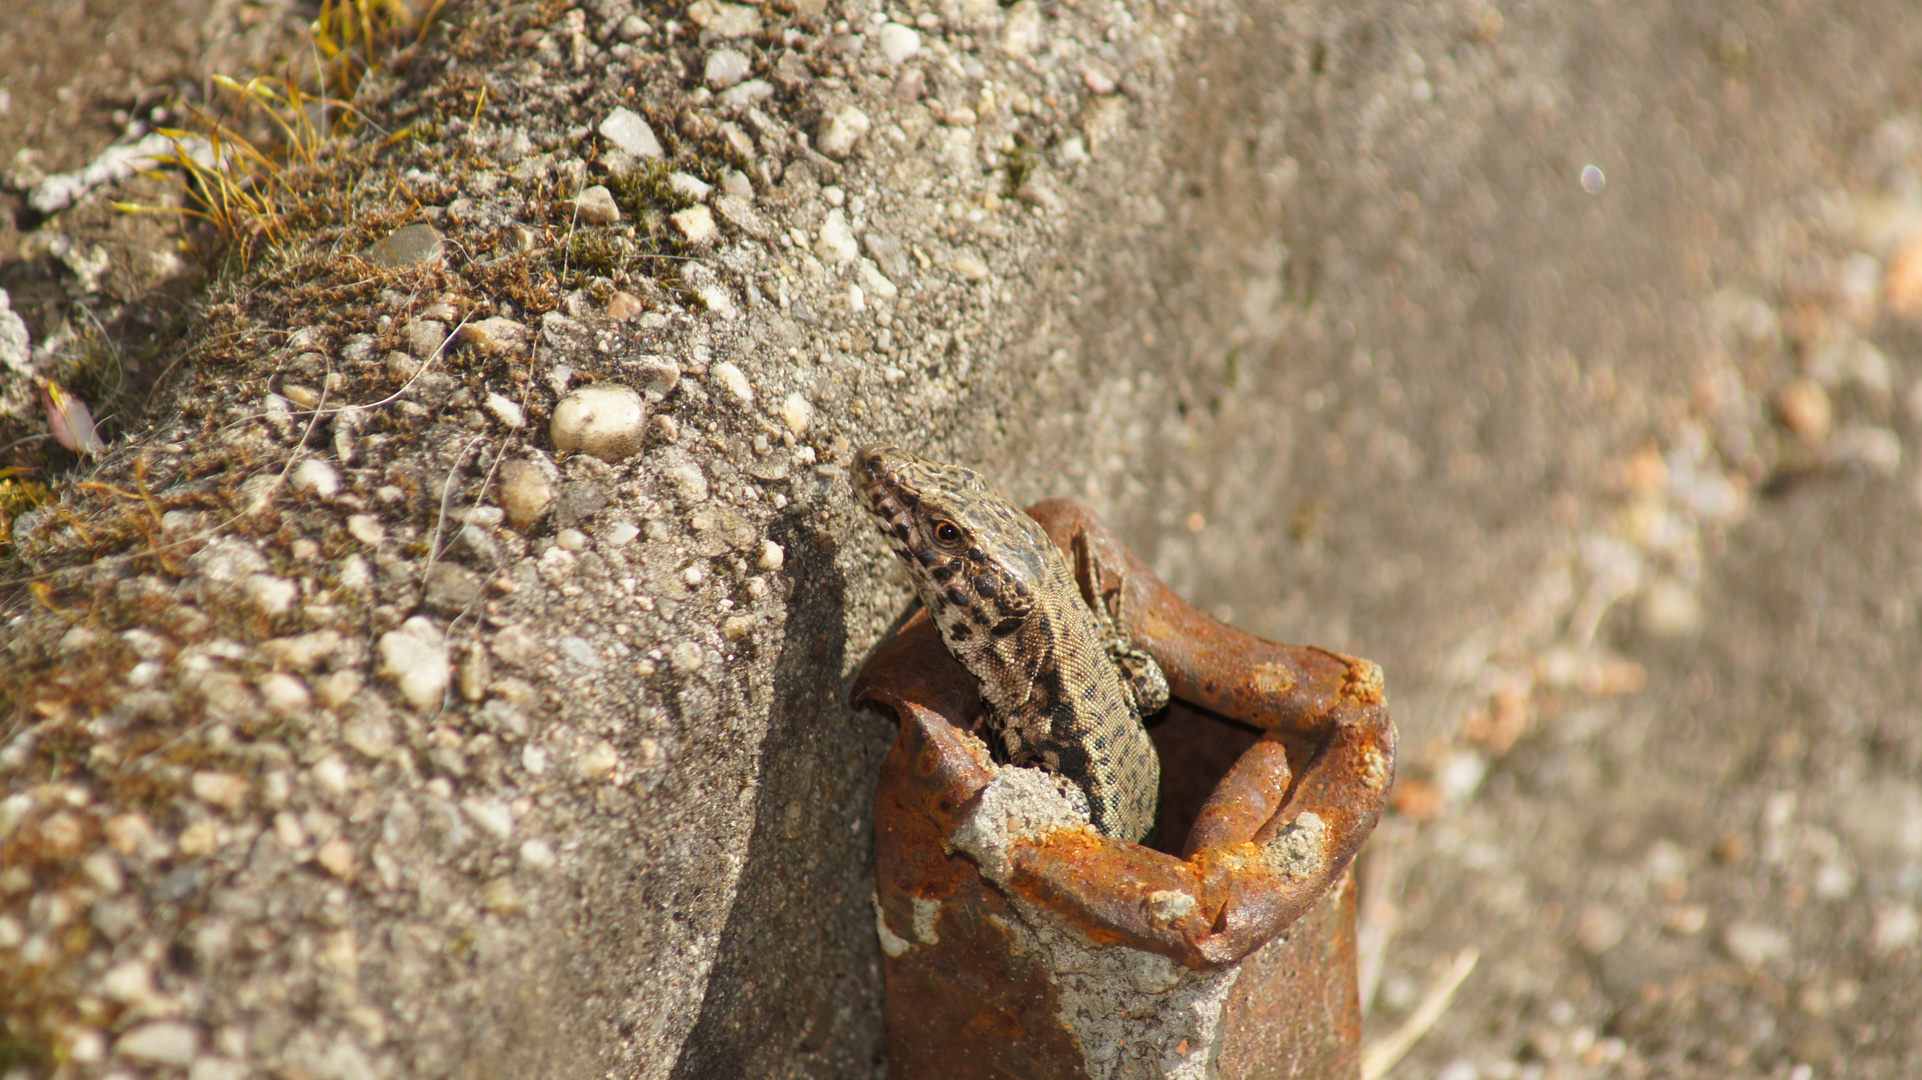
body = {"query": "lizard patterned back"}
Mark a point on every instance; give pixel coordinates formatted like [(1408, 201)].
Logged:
[(1011, 612)]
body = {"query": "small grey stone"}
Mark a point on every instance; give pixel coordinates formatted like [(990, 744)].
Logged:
[(405, 246), (475, 546), (747, 94), (178, 885), (890, 254), (688, 186), (595, 206), (424, 336), (452, 589), (625, 129), (579, 502), (578, 650), (724, 68)]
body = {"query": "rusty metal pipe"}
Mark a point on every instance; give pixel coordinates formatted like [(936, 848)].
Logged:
[(1019, 947)]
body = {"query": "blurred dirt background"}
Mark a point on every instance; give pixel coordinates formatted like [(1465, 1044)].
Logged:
[(1614, 473)]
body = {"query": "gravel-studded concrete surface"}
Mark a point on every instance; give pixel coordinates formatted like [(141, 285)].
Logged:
[(325, 767)]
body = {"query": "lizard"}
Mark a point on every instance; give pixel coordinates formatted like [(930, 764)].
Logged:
[(1064, 688)]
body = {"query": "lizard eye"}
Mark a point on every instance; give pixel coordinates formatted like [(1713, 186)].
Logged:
[(947, 532)]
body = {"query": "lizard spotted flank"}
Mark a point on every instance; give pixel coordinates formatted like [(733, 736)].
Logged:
[(1064, 688)]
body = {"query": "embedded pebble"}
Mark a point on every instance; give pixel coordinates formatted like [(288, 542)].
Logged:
[(737, 627), (415, 658), (366, 528), (406, 246), (735, 381), (1877, 449), (1671, 610), (163, 1042), (623, 306), (797, 413), (969, 265), (424, 337), (696, 224), (336, 856), (316, 477), (899, 43), (1902, 283), (496, 336), (525, 493), (538, 854), (685, 656), (370, 735), (1753, 944), (285, 693), (599, 762), (771, 557), (506, 410), (659, 377), (1803, 407), (835, 243), (1598, 929), (595, 206), (840, 131), (605, 420), (626, 130), (571, 539), (224, 790), (724, 20), (621, 533), (1897, 926), (1021, 35), (747, 93), (578, 650), (689, 186), (272, 595), (494, 817), (724, 68)]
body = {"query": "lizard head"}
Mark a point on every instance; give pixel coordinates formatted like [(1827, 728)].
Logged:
[(976, 560)]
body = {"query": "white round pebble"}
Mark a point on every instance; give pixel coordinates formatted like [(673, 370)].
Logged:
[(724, 68), (571, 539), (316, 477), (797, 413), (525, 493), (771, 557), (602, 419), (621, 533), (736, 382), (538, 854), (899, 43), (836, 241), (415, 657)]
